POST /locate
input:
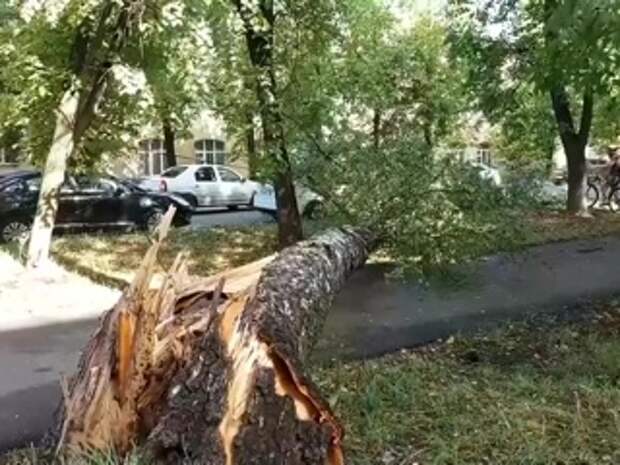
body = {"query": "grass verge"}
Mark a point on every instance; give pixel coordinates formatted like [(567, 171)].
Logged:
[(113, 258), (520, 396)]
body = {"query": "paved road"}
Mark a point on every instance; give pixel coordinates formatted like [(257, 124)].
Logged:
[(208, 218), (371, 316)]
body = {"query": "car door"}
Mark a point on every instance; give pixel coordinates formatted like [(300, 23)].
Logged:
[(232, 189), (107, 204), (98, 202), (208, 190), (70, 204)]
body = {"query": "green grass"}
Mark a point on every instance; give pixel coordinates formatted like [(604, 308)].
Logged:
[(521, 396), (113, 258), (34, 456)]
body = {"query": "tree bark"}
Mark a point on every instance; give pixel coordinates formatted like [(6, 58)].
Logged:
[(427, 130), (63, 143), (260, 47), (250, 145), (376, 128), (574, 143), (169, 136), (211, 371)]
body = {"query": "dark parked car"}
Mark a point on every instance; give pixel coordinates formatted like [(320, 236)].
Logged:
[(85, 203)]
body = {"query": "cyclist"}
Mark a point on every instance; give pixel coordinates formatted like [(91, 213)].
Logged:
[(611, 172)]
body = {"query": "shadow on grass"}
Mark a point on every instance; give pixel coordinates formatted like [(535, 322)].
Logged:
[(112, 259)]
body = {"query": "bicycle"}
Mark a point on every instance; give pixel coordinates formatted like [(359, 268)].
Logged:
[(595, 187), (593, 191)]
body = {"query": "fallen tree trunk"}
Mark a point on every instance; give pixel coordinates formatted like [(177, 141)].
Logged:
[(210, 371)]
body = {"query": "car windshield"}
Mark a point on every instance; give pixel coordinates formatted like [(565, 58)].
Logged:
[(130, 185), (20, 183), (173, 172)]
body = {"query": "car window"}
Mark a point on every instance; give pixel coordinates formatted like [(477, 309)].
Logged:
[(205, 173), (33, 184), (15, 187), (228, 175), (95, 185), (173, 172)]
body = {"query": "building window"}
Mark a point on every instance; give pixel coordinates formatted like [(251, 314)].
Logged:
[(153, 156), (8, 156), (210, 152), (483, 156)]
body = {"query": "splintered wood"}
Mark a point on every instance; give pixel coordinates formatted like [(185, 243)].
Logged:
[(210, 370)]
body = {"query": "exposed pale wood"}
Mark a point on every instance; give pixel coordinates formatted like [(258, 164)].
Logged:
[(211, 371)]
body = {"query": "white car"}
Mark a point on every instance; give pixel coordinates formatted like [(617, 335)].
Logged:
[(205, 185), (553, 192), (308, 202), (488, 173)]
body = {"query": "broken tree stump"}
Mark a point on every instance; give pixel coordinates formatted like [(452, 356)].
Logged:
[(210, 371)]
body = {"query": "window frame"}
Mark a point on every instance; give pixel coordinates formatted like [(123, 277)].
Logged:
[(225, 170), (210, 151), (206, 167), (150, 148)]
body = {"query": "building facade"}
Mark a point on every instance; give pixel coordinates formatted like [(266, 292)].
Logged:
[(207, 143)]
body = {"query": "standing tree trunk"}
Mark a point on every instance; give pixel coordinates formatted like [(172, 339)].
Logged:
[(376, 128), (427, 130), (171, 156), (574, 143), (62, 147), (250, 145), (260, 47), (210, 372), (91, 57)]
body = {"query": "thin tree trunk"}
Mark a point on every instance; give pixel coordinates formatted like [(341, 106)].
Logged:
[(211, 371), (169, 136), (376, 128), (289, 221), (260, 47), (428, 133), (250, 145), (63, 143), (577, 179)]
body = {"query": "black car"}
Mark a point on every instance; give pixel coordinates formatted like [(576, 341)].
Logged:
[(85, 203)]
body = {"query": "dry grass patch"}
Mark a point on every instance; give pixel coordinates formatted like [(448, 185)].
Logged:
[(113, 258), (554, 226)]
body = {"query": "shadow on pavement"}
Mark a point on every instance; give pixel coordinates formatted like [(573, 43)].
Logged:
[(26, 415)]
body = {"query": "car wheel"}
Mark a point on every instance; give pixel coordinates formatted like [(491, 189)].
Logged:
[(193, 201), (14, 230), (313, 211), (153, 219), (233, 207)]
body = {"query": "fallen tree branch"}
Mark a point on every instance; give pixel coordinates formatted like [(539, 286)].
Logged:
[(211, 370)]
